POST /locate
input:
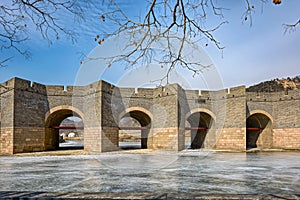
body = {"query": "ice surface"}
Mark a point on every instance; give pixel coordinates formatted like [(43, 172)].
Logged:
[(190, 172)]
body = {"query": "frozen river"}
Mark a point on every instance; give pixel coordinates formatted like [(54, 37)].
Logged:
[(189, 172)]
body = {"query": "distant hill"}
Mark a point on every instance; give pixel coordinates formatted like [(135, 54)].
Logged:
[(276, 85), (72, 123), (68, 122)]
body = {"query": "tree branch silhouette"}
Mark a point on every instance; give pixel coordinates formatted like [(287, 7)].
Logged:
[(16, 17), (291, 27), (179, 21)]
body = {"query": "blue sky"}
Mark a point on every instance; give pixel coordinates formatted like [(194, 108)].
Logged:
[(252, 54)]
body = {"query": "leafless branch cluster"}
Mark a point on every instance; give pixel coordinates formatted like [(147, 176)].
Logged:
[(3, 62), (250, 9), (247, 16), (175, 24), (291, 27), (161, 34), (17, 17), (179, 23)]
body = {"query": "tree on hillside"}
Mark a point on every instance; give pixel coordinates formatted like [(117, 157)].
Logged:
[(182, 21)]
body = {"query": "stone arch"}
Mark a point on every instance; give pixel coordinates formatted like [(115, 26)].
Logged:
[(252, 112), (64, 107), (136, 108), (200, 121), (143, 117), (53, 118), (198, 110), (259, 130)]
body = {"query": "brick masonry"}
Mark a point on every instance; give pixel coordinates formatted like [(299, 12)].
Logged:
[(29, 111), (231, 139), (286, 138)]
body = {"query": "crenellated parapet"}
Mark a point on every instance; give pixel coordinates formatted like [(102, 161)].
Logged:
[(229, 93), (172, 89), (103, 86), (55, 90), (273, 96)]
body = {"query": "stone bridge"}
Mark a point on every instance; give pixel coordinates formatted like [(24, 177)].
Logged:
[(169, 116)]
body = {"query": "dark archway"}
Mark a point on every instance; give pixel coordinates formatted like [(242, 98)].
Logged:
[(134, 127), (199, 125), (54, 124), (258, 131)]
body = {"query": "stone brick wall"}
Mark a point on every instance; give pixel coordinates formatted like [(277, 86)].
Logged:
[(286, 138), (165, 127), (6, 118), (233, 135), (92, 139), (165, 139), (109, 139), (28, 139), (283, 109), (231, 139), (28, 112), (30, 105), (228, 112), (6, 140)]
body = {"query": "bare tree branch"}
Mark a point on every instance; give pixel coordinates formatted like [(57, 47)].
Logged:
[(250, 10), (178, 21), (175, 23), (3, 62), (18, 16), (291, 27), (162, 34)]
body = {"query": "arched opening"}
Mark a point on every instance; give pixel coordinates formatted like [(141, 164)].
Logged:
[(71, 133), (258, 131), (197, 127), (64, 130), (134, 128)]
